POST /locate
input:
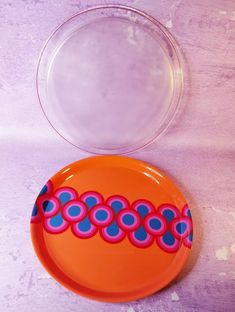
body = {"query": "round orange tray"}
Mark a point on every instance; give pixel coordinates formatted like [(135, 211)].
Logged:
[(111, 228)]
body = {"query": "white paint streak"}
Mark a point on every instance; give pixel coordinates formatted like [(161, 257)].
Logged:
[(222, 254), (168, 24), (222, 12), (131, 16), (232, 16), (232, 214), (174, 7), (130, 310), (232, 248), (131, 35), (217, 210), (174, 296), (44, 276)]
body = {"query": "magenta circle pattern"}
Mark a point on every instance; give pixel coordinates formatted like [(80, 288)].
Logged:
[(113, 218), (74, 211), (105, 218), (153, 219), (128, 220)]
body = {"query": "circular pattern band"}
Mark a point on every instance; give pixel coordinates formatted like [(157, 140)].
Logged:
[(113, 218)]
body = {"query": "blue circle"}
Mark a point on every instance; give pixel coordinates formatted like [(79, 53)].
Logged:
[(74, 211), (168, 239), (155, 224), (181, 227), (47, 205), (101, 215), (56, 221), (65, 197), (128, 219), (85, 225), (143, 210), (113, 230), (169, 215), (91, 201), (140, 234), (117, 205)]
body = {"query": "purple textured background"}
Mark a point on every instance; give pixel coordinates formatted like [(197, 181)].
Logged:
[(198, 151)]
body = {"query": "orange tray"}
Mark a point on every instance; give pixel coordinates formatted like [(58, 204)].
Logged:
[(111, 228)]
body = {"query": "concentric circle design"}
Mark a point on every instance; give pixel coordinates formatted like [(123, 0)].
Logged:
[(115, 218), (56, 224), (74, 211), (141, 238), (168, 242), (181, 227), (65, 194), (169, 212), (101, 215), (112, 234), (155, 224), (117, 202), (186, 212), (49, 205), (143, 207), (84, 229), (128, 220), (92, 198)]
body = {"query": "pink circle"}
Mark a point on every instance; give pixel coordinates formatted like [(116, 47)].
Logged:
[(101, 223), (48, 198), (141, 243), (118, 198), (177, 221), (171, 207), (168, 248), (132, 227), (143, 202), (99, 198), (155, 216), (55, 230), (81, 234), (80, 216), (186, 211), (73, 193), (112, 239)]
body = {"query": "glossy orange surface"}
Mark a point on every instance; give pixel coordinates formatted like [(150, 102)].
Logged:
[(95, 268)]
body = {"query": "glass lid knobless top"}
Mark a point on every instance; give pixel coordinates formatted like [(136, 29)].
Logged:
[(109, 79)]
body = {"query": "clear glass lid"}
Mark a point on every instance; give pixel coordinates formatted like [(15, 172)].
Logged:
[(109, 79)]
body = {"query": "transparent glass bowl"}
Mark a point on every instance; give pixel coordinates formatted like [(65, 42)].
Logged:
[(110, 79)]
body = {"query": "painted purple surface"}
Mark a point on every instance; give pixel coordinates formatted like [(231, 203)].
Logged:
[(198, 151)]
